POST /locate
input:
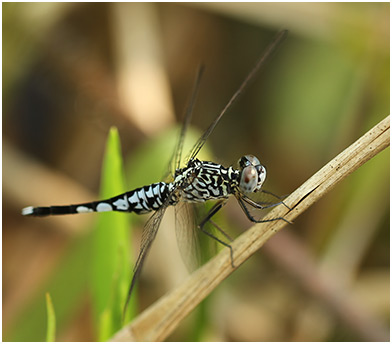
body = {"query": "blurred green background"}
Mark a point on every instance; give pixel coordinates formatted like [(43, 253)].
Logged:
[(71, 71)]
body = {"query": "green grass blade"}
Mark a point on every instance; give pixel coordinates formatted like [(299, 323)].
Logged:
[(111, 270), (51, 322), (66, 285)]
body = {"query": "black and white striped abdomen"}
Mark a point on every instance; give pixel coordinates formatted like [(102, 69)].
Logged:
[(142, 200)]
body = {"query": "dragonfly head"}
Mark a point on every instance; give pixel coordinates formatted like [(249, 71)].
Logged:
[(252, 173)]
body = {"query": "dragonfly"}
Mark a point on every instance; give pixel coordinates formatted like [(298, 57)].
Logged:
[(197, 182)]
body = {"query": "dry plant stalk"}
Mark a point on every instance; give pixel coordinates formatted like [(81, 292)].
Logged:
[(160, 319)]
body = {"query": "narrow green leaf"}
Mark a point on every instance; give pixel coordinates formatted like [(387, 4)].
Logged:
[(67, 286), (51, 322), (111, 270)]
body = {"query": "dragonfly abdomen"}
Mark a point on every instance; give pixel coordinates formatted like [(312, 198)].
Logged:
[(141, 200)]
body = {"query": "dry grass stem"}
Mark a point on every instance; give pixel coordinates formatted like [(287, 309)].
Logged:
[(160, 319)]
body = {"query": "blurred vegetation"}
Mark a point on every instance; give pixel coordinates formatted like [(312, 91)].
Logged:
[(71, 72), (51, 323)]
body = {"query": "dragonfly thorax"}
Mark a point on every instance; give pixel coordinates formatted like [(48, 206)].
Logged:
[(201, 181), (252, 174)]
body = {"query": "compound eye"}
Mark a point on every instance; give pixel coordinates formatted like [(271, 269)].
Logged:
[(252, 160), (248, 160), (249, 179)]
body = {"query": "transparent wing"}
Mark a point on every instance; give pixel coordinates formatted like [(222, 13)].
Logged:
[(197, 247), (148, 235), (265, 55), (175, 160), (187, 234)]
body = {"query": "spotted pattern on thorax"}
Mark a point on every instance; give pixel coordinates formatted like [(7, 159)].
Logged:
[(201, 181)]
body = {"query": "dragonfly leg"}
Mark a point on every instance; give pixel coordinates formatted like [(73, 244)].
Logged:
[(261, 205), (241, 199), (220, 230), (210, 214), (277, 197)]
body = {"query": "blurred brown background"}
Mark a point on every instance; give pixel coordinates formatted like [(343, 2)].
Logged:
[(71, 71)]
